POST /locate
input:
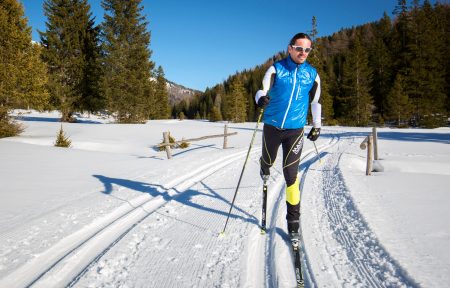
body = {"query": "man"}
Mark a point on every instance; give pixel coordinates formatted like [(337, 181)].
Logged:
[(288, 86)]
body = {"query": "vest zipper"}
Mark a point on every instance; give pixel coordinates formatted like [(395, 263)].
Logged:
[(290, 99), (299, 89)]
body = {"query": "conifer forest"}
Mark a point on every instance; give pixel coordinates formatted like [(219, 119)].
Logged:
[(394, 71)]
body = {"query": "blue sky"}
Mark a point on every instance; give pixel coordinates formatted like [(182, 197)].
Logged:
[(199, 43)]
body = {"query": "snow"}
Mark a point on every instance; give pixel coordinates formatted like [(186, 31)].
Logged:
[(112, 211)]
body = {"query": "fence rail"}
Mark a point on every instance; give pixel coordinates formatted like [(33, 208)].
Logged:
[(167, 144)]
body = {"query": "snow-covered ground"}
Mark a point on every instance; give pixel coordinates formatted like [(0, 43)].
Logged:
[(113, 212)]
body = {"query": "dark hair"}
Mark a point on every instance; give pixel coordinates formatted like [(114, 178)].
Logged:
[(299, 36)]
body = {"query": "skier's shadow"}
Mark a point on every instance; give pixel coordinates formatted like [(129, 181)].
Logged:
[(187, 197)]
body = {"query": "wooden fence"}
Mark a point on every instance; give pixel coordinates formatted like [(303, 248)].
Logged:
[(168, 144), (371, 143)]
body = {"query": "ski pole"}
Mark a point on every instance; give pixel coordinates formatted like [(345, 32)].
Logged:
[(242, 172), (317, 151)]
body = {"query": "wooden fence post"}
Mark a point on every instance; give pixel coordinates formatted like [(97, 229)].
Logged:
[(167, 141), (363, 146), (369, 155), (225, 140), (375, 143)]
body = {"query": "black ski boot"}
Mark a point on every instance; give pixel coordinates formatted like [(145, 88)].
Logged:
[(293, 233), (264, 171)]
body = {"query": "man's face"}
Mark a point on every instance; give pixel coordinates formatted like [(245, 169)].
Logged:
[(299, 56)]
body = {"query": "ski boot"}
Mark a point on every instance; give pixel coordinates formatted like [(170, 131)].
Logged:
[(264, 171), (295, 239), (293, 228)]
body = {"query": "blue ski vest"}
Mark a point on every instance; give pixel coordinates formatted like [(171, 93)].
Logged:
[(289, 94)]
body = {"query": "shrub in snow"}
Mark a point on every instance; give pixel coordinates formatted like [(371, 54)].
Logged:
[(183, 144), (62, 140), (8, 128)]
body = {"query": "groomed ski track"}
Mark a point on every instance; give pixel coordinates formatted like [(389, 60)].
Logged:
[(344, 250), (177, 232), (64, 262)]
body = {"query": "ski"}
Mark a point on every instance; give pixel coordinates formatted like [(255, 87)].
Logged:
[(297, 263), (264, 207)]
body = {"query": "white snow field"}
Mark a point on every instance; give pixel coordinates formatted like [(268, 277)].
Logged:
[(112, 211)]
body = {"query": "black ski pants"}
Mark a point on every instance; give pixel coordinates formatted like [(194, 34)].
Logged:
[(291, 141)]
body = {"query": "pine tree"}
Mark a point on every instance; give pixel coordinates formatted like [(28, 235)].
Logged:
[(443, 16), (216, 114), (316, 59), (92, 99), (357, 81), (34, 81), (62, 140), (15, 37), (401, 29), (68, 44), (313, 33), (236, 101), (426, 80), (161, 94), (22, 74), (381, 59), (397, 104), (127, 66)]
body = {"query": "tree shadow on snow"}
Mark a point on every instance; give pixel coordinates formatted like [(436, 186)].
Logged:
[(38, 119), (187, 197), (415, 136), (400, 135), (54, 119)]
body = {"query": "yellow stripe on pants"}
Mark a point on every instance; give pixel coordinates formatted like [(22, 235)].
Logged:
[(293, 193)]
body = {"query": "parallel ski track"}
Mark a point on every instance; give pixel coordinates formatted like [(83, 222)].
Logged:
[(73, 254), (370, 261), (373, 265), (271, 265)]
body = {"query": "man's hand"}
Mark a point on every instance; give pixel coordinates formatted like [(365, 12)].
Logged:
[(313, 134), (263, 101)]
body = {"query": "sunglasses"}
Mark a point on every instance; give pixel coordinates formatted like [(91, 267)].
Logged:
[(301, 49)]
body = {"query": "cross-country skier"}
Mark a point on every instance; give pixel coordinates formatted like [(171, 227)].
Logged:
[(289, 87)]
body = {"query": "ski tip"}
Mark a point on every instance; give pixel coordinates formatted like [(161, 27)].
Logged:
[(221, 234), (263, 232)]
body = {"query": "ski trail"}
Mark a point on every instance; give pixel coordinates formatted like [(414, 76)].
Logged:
[(279, 263), (345, 251), (73, 253), (181, 237)]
